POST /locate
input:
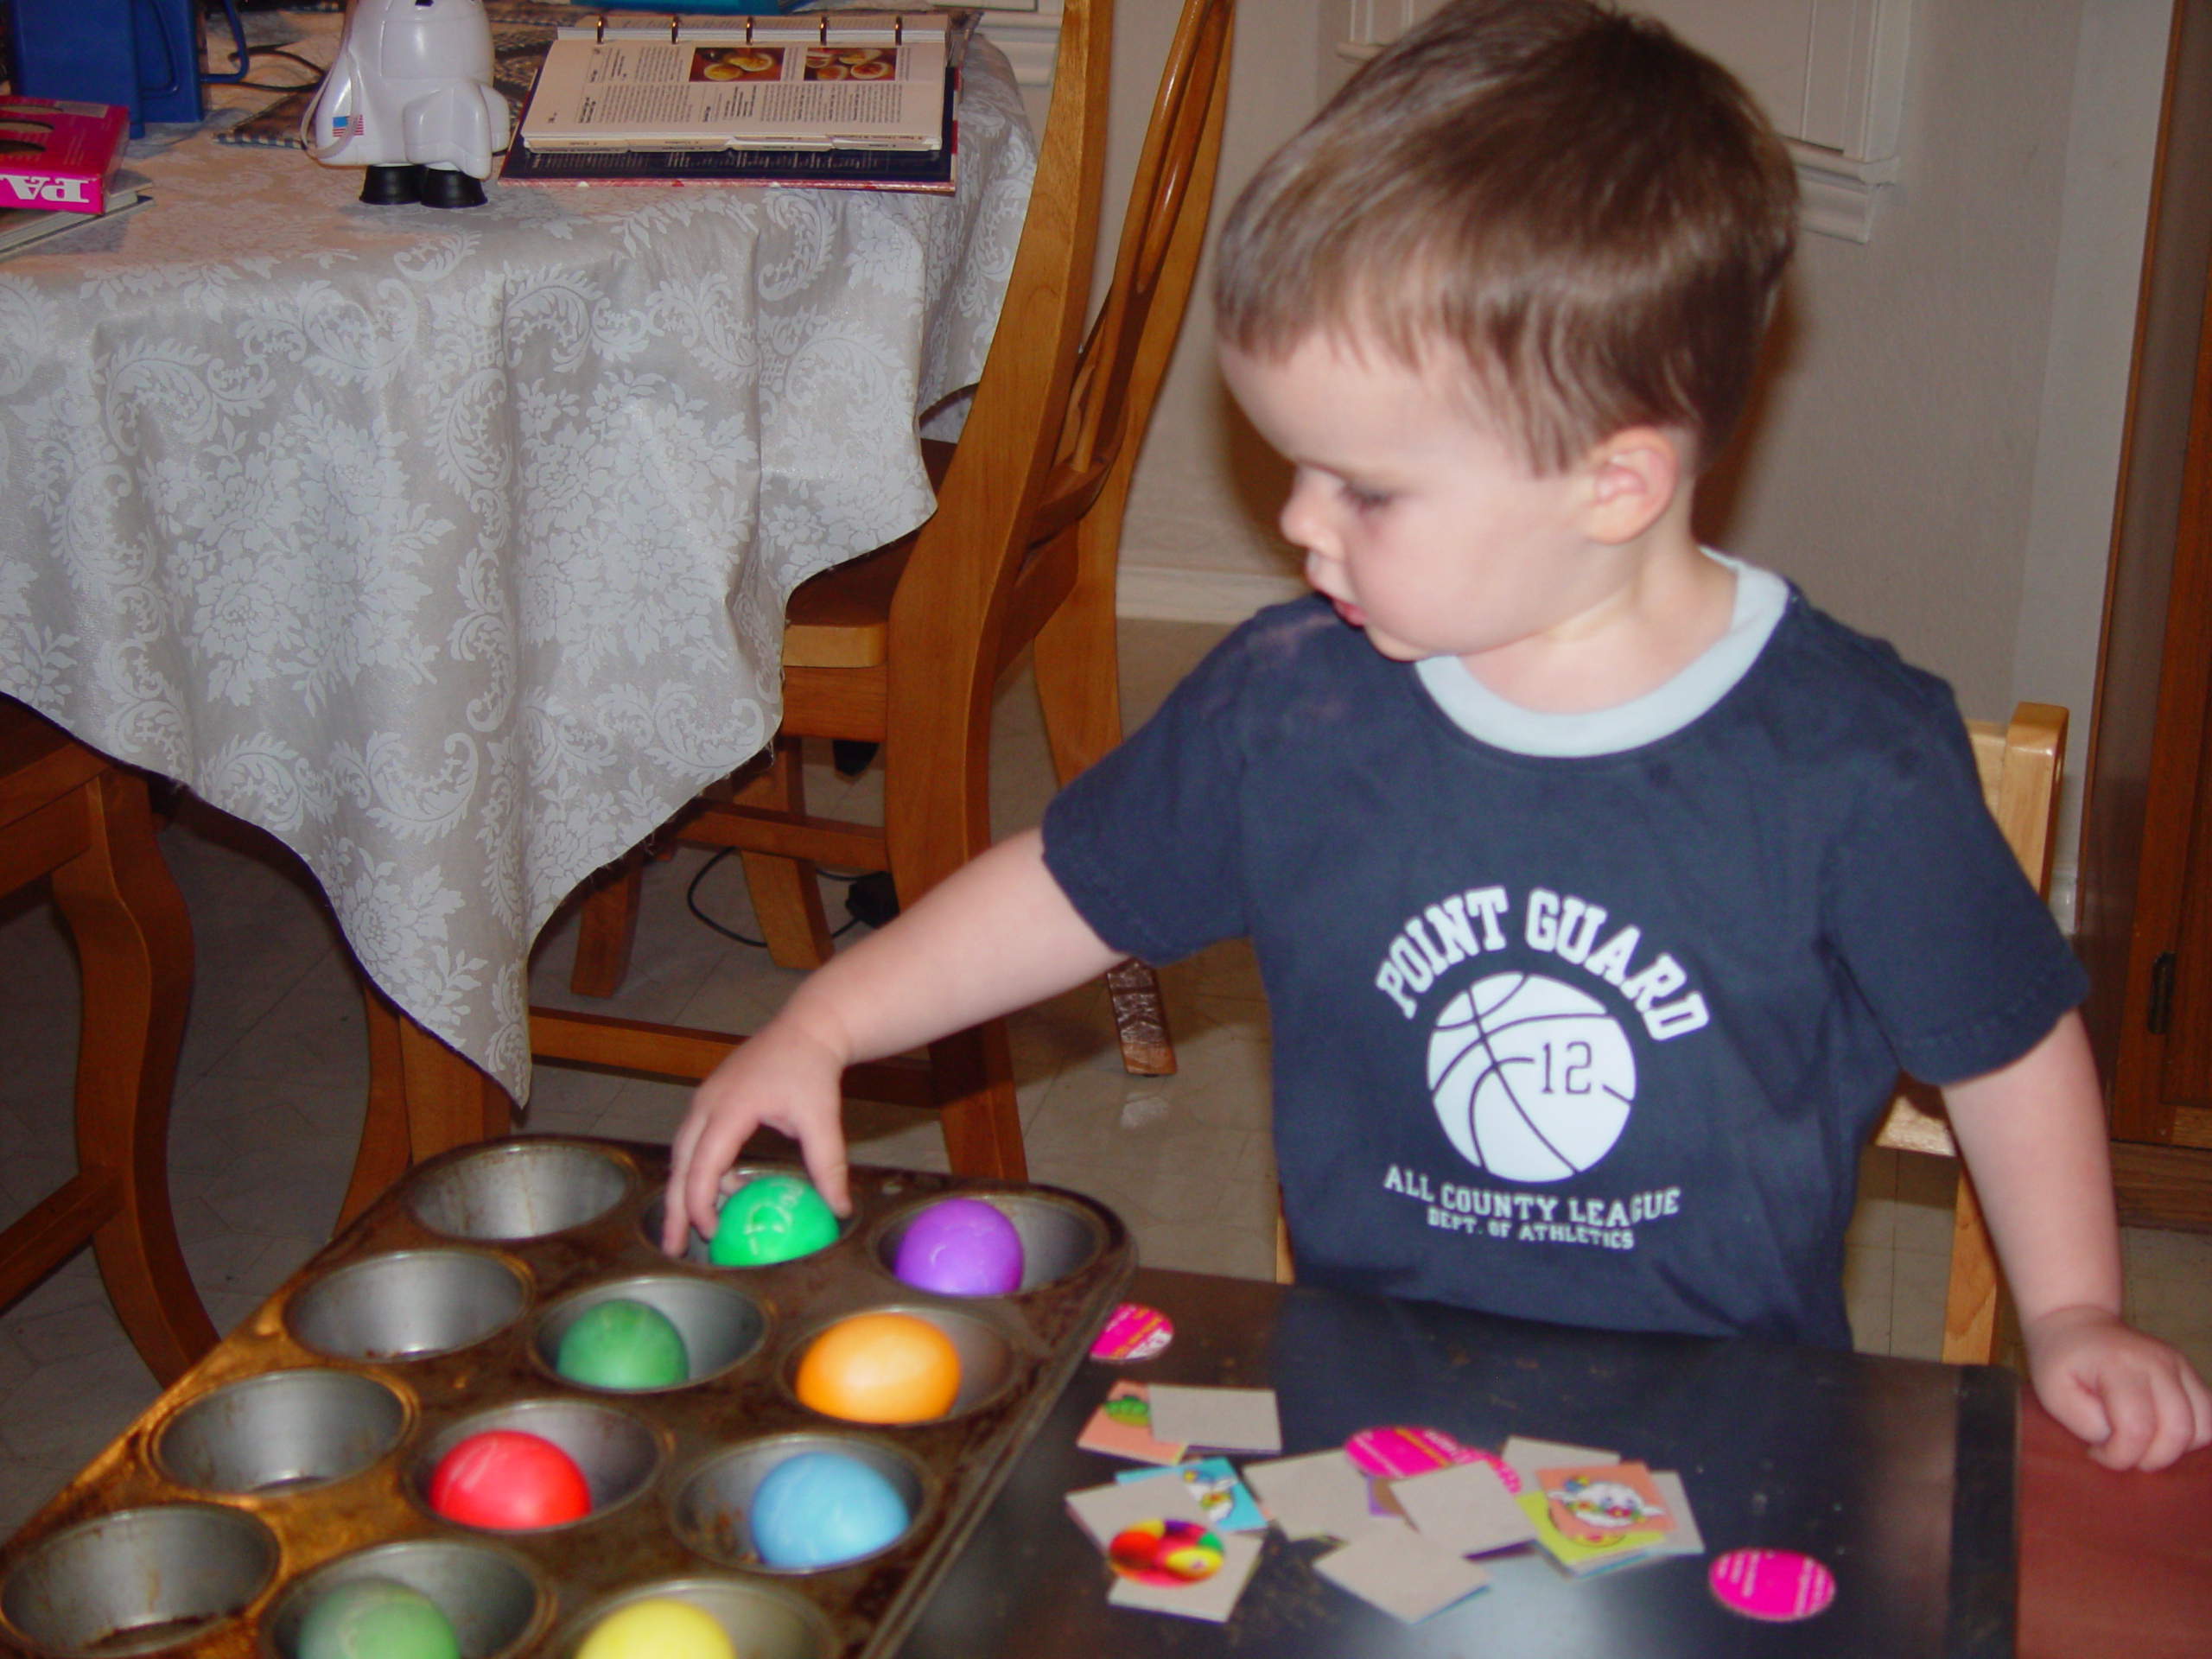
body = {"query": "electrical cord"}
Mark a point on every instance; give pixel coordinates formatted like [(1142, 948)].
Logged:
[(315, 71), (691, 901)]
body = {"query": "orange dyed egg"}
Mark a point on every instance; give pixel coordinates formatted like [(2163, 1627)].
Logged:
[(880, 1368)]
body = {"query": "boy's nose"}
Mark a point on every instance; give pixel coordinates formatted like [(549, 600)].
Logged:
[(1302, 522)]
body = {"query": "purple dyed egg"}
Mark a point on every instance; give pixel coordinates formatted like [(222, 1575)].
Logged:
[(962, 1247)]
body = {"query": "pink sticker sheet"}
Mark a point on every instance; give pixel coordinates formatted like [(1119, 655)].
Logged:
[(1397, 1453), (1779, 1585)]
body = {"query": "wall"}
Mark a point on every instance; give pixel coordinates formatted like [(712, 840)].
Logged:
[(1199, 539), (1934, 450)]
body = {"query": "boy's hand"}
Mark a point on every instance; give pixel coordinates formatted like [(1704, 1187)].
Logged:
[(2137, 1402), (785, 1079)]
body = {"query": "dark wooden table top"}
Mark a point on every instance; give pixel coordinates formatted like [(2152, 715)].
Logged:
[(1899, 1475)]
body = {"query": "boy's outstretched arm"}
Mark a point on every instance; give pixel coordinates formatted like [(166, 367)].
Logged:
[(2033, 1134), (996, 936)]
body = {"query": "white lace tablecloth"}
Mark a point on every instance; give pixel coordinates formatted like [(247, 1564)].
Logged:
[(452, 547)]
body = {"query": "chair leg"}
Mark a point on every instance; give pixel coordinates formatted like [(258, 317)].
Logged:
[(1970, 1303), (1141, 1020), (383, 1157), (1079, 683), (135, 943), (982, 1120), (1079, 671), (786, 898), (606, 930), (423, 1099)]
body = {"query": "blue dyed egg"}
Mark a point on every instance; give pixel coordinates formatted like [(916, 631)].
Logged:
[(821, 1508), (962, 1247)]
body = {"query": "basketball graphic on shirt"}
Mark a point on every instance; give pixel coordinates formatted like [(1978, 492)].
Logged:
[(1533, 1080)]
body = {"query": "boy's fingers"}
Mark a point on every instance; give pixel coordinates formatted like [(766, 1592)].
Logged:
[(2130, 1408), (2200, 1405), (676, 1219), (824, 1152), (715, 1152), (2079, 1410), (2183, 1422)]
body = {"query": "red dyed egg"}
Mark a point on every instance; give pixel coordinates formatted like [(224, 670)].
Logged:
[(510, 1481)]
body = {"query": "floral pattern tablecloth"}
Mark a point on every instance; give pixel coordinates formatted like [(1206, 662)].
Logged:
[(452, 547)]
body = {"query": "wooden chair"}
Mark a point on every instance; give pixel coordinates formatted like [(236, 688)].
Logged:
[(905, 647), (67, 814), (2020, 766)]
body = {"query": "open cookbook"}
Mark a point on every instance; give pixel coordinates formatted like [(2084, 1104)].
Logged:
[(823, 81)]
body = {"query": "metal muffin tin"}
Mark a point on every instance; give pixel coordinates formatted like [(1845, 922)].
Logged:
[(296, 1455)]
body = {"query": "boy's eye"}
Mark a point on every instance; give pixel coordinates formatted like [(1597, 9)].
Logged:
[(1363, 500)]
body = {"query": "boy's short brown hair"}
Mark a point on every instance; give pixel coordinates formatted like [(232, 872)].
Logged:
[(1592, 216)]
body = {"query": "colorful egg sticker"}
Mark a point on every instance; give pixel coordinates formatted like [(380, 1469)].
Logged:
[(1167, 1553), (1133, 1333), (1778, 1585), (1600, 1512)]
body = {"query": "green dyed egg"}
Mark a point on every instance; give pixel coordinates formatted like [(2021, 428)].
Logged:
[(774, 1218), (620, 1344), (376, 1618)]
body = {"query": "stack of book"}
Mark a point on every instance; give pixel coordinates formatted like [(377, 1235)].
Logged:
[(850, 100), (58, 168)]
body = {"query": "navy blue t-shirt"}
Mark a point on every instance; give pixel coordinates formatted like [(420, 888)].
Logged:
[(1590, 1039)]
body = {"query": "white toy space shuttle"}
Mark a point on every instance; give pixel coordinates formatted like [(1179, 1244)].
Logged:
[(410, 96)]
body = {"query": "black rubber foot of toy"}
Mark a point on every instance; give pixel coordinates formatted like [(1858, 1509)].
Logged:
[(443, 187), (392, 186)]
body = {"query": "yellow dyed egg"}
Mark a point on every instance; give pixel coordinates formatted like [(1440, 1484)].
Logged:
[(880, 1368), (659, 1628)]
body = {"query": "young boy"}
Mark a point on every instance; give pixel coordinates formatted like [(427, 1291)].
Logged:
[(1600, 885)]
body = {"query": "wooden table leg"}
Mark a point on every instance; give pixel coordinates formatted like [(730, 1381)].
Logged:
[(423, 1099)]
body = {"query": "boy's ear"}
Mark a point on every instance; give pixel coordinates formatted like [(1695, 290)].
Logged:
[(1634, 477)]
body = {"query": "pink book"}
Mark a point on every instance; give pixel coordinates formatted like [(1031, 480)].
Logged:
[(58, 156)]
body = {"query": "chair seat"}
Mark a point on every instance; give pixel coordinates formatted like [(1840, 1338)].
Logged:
[(841, 618)]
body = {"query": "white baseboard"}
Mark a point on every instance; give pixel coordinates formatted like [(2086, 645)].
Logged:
[(1177, 594), (2062, 873)]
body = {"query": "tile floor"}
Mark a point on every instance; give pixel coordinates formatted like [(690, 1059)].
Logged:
[(269, 1090)]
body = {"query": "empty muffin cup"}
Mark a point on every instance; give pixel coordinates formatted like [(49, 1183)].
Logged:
[(721, 1325), (138, 1579), (490, 1598), (614, 1451), (282, 1429), (407, 1304), (1058, 1239), (760, 1621), (712, 1514), (518, 1189)]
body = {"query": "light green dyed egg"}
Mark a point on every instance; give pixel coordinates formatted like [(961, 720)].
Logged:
[(774, 1218), (376, 1618)]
